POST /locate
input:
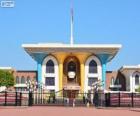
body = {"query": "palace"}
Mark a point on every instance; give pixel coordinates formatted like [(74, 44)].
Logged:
[(71, 67), (76, 67)]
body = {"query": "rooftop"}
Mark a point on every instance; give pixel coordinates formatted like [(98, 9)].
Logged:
[(50, 48), (130, 67)]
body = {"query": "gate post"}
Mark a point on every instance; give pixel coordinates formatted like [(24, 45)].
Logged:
[(63, 97), (16, 98), (107, 99), (5, 98), (20, 102), (132, 98), (30, 101), (119, 95)]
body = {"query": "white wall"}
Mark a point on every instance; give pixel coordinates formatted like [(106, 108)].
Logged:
[(98, 74), (55, 74), (130, 79)]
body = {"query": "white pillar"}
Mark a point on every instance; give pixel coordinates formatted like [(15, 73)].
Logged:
[(132, 84)]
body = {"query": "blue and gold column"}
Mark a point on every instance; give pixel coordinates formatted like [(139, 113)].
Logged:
[(104, 59), (39, 57)]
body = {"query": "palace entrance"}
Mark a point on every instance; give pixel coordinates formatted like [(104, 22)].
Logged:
[(71, 78), (71, 91), (71, 71), (71, 94)]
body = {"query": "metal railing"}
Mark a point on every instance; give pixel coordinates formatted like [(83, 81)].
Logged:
[(122, 99), (60, 98), (13, 98)]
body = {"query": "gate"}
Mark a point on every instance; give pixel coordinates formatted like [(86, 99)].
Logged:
[(63, 98), (47, 98)]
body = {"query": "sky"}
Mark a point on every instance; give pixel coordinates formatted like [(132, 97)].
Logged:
[(48, 21)]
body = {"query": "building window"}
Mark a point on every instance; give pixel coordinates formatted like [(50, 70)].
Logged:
[(50, 67), (112, 81), (117, 81), (22, 80), (17, 80), (137, 80), (92, 67), (50, 81), (28, 78), (92, 80)]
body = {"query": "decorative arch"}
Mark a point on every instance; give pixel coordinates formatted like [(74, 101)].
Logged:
[(50, 66), (93, 67), (93, 73), (112, 81), (71, 63), (50, 75), (135, 73)]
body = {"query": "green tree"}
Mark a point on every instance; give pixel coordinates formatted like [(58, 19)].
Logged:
[(6, 78)]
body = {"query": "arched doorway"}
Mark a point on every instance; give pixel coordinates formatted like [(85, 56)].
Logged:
[(71, 71), (71, 76)]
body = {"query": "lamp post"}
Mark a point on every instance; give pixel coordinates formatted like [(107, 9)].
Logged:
[(41, 87), (95, 88), (30, 89), (31, 85)]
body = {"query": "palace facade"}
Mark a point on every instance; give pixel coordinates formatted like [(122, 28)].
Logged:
[(73, 68)]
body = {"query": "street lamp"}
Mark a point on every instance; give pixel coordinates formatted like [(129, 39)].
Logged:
[(31, 85), (41, 87), (96, 86)]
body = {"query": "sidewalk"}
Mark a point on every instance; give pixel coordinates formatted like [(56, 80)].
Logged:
[(67, 111)]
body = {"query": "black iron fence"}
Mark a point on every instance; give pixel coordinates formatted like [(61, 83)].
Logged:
[(115, 99), (14, 98), (122, 99)]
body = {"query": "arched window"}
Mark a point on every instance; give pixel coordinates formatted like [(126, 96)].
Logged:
[(137, 79), (50, 67), (112, 81), (93, 72), (117, 81), (22, 80), (50, 76), (92, 67), (17, 80)]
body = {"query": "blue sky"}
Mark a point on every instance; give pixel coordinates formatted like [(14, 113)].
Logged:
[(95, 21)]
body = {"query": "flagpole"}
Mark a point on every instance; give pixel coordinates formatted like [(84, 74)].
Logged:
[(72, 23)]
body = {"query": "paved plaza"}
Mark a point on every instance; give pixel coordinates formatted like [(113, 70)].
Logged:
[(67, 111)]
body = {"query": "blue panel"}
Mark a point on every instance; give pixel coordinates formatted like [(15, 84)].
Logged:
[(39, 69), (39, 57), (104, 75), (104, 59)]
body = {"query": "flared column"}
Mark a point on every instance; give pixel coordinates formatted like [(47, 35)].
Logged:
[(104, 59)]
